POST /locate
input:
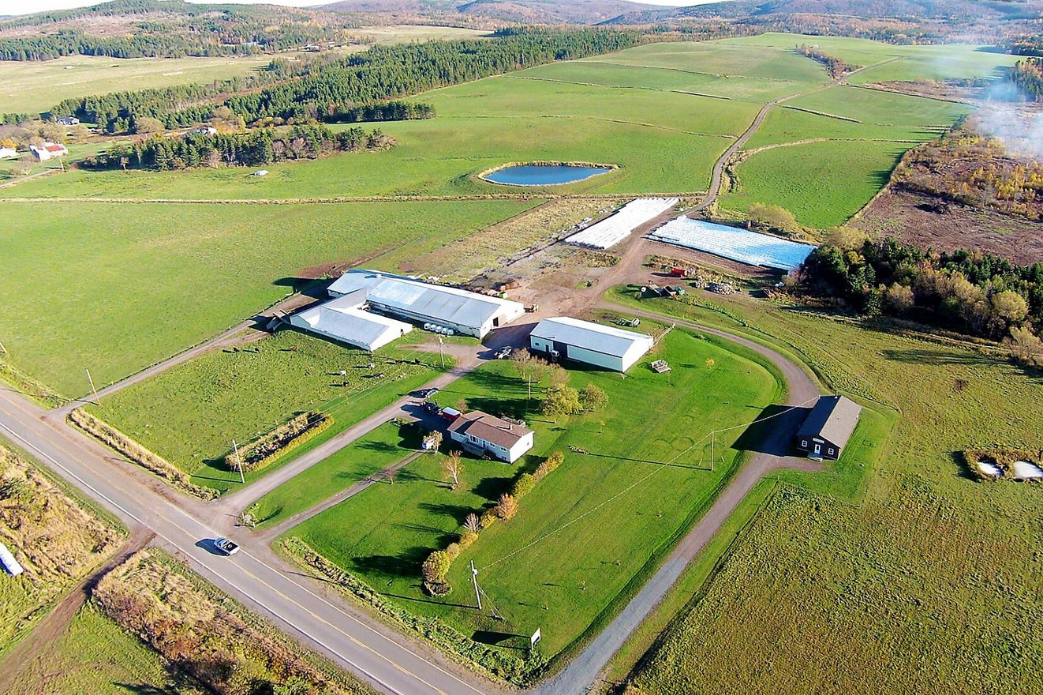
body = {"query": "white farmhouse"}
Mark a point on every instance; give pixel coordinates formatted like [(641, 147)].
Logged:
[(345, 321), (480, 434), (590, 343), (468, 313)]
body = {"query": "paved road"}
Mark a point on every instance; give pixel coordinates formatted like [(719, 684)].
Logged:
[(392, 662)]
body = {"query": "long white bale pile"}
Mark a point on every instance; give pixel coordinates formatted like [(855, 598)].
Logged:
[(733, 243), (614, 229)]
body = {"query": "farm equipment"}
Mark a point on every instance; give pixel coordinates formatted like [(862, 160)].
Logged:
[(660, 366)]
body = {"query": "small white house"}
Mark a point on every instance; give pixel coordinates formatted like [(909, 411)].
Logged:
[(480, 434), (205, 130), (48, 150), (8, 153), (67, 120), (590, 343)]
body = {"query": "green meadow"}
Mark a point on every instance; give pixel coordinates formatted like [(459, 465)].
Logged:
[(643, 481), (190, 413), (923, 580)]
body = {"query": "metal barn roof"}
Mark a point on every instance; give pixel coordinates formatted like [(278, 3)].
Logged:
[(351, 325), (833, 418), (434, 302), (591, 336)]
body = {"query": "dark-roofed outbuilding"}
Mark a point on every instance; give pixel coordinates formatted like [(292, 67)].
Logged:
[(828, 427)]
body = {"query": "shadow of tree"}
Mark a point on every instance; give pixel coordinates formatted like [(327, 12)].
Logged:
[(405, 564)]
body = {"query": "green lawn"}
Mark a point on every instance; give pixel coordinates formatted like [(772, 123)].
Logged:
[(374, 452), (822, 184), (190, 413), (95, 656), (658, 464), (115, 288), (923, 580)]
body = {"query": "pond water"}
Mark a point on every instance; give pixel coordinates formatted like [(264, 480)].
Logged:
[(543, 174)]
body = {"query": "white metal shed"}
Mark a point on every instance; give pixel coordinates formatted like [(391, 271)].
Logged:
[(590, 343)]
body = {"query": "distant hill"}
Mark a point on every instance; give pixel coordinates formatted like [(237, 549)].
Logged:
[(960, 10), (514, 11)]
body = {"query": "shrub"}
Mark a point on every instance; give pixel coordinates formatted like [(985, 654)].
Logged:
[(523, 486), (562, 400), (772, 217), (453, 551), (489, 518), (436, 567), (467, 539), (593, 397), (472, 524), (507, 507), (265, 449)]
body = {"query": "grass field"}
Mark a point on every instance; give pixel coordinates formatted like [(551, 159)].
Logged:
[(374, 452), (190, 413), (115, 288), (33, 86), (930, 581), (822, 184), (659, 466), (96, 656)]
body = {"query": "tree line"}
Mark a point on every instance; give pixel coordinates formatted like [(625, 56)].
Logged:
[(1027, 76), (836, 67), (350, 89), (969, 292), (253, 148)]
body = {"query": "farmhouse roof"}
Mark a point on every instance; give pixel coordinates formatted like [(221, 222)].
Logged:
[(591, 336), (435, 302), (489, 428), (833, 418)]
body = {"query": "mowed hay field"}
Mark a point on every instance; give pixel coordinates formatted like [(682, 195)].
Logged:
[(643, 482), (34, 86), (191, 413), (931, 583), (115, 288)]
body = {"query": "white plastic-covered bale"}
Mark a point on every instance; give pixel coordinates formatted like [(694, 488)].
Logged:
[(8, 561), (614, 229), (733, 243)]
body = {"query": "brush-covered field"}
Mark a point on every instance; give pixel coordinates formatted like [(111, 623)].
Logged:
[(94, 655), (643, 480), (927, 581), (116, 288), (190, 413)]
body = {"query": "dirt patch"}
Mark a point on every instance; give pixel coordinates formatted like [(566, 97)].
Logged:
[(927, 222)]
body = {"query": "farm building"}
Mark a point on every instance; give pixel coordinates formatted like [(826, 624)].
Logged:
[(67, 120), (590, 343), (482, 434), (828, 427), (733, 243), (8, 153), (345, 321), (48, 150), (612, 230), (204, 130), (464, 312)]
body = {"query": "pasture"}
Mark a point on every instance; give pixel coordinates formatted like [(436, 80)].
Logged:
[(116, 288), (923, 580), (189, 414), (35, 86), (643, 482)]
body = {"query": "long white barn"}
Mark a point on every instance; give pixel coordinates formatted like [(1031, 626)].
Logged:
[(733, 243), (465, 312), (344, 320), (591, 343), (612, 230)]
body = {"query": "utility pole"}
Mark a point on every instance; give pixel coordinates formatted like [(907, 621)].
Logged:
[(97, 401), (713, 436), (441, 355), (239, 460), (2, 348), (474, 578)]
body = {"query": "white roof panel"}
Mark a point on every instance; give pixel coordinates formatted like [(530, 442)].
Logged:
[(731, 242), (350, 325), (591, 336)]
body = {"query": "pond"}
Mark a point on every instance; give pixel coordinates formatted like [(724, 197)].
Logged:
[(543, 174)]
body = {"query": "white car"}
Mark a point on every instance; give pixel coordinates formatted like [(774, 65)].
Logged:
[(226, 546)]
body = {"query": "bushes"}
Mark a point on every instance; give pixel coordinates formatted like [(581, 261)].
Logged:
[(562, 400), (507, 507), (123, 444), (593, 397), (1003, 458), (263, 450)]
